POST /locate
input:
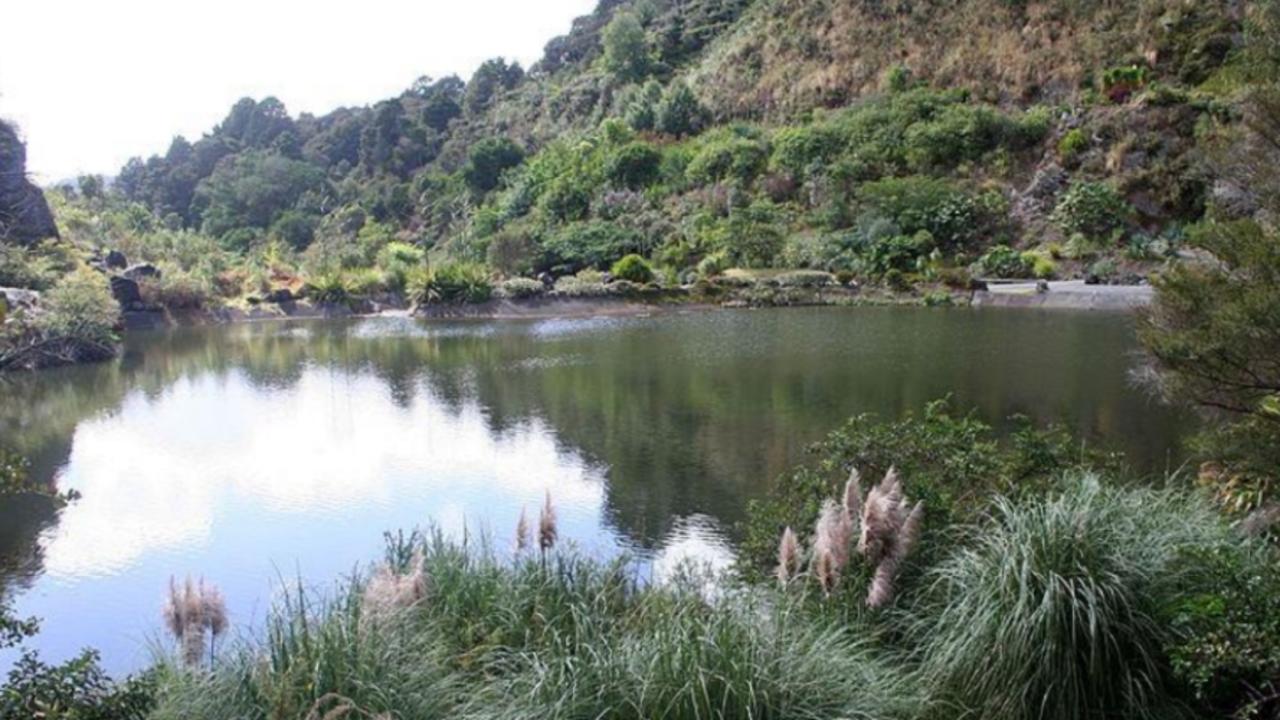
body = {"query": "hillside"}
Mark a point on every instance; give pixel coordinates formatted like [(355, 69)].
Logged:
[(903, 144)]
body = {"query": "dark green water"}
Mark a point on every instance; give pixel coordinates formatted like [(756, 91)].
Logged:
[(250, 452)]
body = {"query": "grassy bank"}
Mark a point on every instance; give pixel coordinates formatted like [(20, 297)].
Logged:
[(1085, 598)]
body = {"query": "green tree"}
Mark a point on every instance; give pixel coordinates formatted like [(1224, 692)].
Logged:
[(489, 159), (634, 166), (1213, 333), (679, 113), (626, 54)]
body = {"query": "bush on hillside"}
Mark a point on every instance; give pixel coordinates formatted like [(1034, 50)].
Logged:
[(1092, 209), (1003, 261), (634, 166)]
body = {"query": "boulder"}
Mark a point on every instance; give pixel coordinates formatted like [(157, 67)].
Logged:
[(142, 270), (116, 260), (18, 298), (24, 215), (126, 292)]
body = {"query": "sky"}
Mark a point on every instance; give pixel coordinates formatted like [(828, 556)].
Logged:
[(91, 83)]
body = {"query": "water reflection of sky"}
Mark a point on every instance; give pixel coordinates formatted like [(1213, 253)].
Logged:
[(193, 481)]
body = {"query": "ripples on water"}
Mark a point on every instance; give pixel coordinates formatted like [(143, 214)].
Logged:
[(254, 453)]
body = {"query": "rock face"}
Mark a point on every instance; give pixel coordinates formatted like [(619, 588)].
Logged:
[(24, 214)]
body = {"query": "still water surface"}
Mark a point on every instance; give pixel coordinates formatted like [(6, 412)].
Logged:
[(249, 454)]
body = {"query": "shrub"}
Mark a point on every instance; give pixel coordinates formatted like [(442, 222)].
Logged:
[(452, 284), (589, 245), (1003, 261), (679, 113), (328, 288), (520, 288), (398, 260), (566, 200), (919, 203), (737, 158), (797, 150), (713, 264), (952, 462), (488, 160), (1049, 609), (634, 166), (1092, 209), (81, 309), (582, 285), (1044, 268), (1120, 82), (513, 249), (177, 289), (78, 689), (1072, 145), (804, 279), (1226, 644), (632, 268)]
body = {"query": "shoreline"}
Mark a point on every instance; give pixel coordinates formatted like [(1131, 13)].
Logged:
[(1072, 295)]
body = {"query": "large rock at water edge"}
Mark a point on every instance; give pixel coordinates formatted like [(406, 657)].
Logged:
[(126, 292)]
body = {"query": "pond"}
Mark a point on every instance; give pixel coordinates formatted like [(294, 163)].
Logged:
[(255, 454)]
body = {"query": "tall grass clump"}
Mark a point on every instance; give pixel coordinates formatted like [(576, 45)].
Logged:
[(678, 657), (314, 657), (1051, 608)]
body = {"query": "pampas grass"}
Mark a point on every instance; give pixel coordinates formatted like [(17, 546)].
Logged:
[(887, 528), (192, 611), (788, 557), (389, 592), (523, 536), (547, 529)]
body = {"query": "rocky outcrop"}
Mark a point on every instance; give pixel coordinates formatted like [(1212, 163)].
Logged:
[(24, 215)]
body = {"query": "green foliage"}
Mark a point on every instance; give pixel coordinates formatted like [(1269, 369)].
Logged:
[(632, 268), (679, 113), (1226, 632), (452, 284), (35, 268), (1050, 608), (641, 106), (1003, 261), (801, 150), (953, 462), (489, 158), (734, 158), (1120, 82), (398, 261), (589, 245), (554, 636), (253, 190), (633, 166), (1092, 209), (329, 288), (914, 204), (626, 54), (1212, 338), (80, 308), (76, 690), (1073, 144), (520, 288)]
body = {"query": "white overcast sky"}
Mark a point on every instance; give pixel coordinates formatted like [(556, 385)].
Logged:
[(92, 83)]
